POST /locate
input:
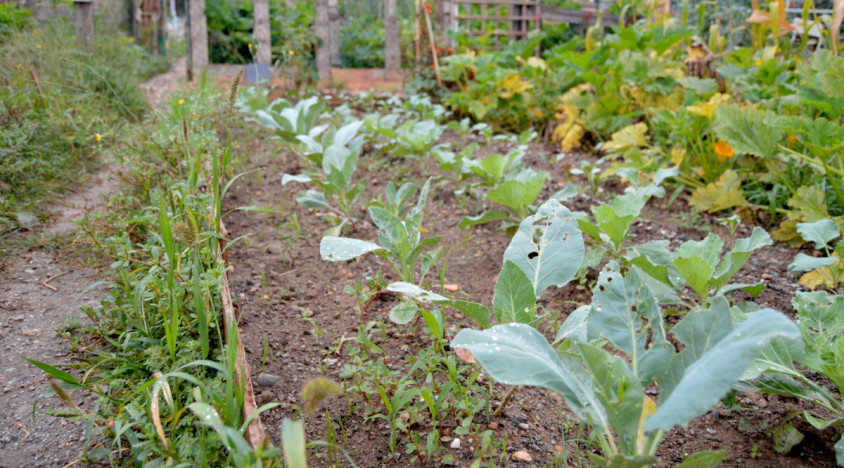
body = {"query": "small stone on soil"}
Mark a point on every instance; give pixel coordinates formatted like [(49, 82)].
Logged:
[(455, 444), (523, 456), (267, 380)]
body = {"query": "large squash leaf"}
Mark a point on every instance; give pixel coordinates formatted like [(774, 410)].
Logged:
[(720, 195), (748, 130)]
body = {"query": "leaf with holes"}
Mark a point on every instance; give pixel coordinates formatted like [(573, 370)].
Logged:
[(548, 247)]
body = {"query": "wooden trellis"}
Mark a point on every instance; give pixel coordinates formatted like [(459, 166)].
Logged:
[(503, 19)]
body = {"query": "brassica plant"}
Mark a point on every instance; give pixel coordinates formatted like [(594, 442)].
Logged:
[(821, 323), (608, 352), (288, 121), (337, 157)]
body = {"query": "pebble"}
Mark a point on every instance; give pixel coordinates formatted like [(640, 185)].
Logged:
[(455, 444), (523, 456), (451, 287), (267, 380), (493, 425), (558, 449), (524, 426)]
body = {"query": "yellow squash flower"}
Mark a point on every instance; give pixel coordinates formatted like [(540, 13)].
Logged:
[(181, 101), (723, 150), (98, 137)]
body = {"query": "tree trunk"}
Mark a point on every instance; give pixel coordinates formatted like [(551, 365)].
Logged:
[(262, 31), (198, 37), (392, 39), (323, 51)]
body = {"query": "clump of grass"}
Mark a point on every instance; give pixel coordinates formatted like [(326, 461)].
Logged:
[(59, 106)]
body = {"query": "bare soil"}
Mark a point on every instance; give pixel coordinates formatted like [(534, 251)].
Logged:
[(279, 279)]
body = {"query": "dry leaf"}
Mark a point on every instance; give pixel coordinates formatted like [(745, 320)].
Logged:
[(465, 355)]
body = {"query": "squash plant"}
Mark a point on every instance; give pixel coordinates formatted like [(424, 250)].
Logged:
[(608, 352)]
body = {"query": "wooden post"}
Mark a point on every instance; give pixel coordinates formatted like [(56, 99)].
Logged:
[(197, 38), (323, 55), (449, 21), (262, 31), (417, 33), (392, 39), (83, 11), (334, 33)]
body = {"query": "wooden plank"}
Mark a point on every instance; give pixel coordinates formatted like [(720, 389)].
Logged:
[(255, 431), (497, 18), (500, 33), (494, 2), (562, 15)]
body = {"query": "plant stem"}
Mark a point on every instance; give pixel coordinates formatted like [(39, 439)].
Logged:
[(503, 404)]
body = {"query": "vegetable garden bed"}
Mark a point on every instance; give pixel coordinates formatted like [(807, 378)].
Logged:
[(304, 318)]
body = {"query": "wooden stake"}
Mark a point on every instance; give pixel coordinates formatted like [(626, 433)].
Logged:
[(433, 48)]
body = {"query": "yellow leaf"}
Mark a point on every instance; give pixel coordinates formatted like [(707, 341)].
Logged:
[(824, 276), (678, 155), (628, 137), (720, 195), (534, 62), (648, 408), (568, 113), (513, 85), (696, 51), (576, 91), (572, 138), (707, 109)]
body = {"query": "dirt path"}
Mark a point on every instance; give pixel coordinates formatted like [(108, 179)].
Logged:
[(40, 295)]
